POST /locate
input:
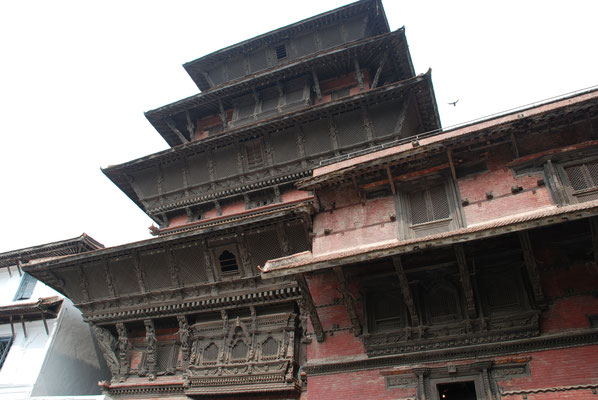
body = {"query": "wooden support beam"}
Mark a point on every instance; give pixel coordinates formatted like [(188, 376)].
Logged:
[(449, 154), (391, 181), (530, 264), (19, 268), (309, 303), (591, 127), (358, 189), (23, 325), (514, 145), (172, 125), (348, 301), (190, 125), (405, 290), (316, 84), (409, 175), (108, 275), (594, 230), (9, 271), (358, 74), (379, 71), (465, 280), (401, 118), (45, 323), (12, 326), (222, 113), (138, 272)]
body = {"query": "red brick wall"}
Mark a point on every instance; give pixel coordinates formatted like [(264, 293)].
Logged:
[(352, 223), (499, 180)]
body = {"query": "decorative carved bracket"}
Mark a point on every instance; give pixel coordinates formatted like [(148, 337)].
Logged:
[(405, 290), (465, 280), (123, 356), (309, 303), (532, 269), (172, 125), (151, 356), (348, 301), (185, 338), (108, 345), (379, 70)]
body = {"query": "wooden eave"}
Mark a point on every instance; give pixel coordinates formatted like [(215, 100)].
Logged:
[(79, 244), (367, 49), (424, 145), (118, 174), (373, 8), (178, 235), (306, 262), (44, 308)]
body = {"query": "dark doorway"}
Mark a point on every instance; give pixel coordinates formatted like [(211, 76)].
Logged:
[(457, 391)]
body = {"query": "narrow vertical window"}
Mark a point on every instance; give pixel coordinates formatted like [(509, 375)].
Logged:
[(254, 155), (281, 51)]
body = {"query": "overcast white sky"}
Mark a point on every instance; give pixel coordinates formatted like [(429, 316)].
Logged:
[(76, 77)]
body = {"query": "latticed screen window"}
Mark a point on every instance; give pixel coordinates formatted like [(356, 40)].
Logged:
[(254, 155), (385, 312), (429, 205), (4, 347), (26, 287), (443, 305), (583, 176)]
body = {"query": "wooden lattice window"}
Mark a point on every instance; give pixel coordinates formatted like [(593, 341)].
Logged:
[(210, 353), (270, 347), (428, 205), (5, 343), (442, 303), (385, 311), (228, 262), (254, 156), (502, 291), (583, 180), (26, 287), (239, 351), (583, 176)]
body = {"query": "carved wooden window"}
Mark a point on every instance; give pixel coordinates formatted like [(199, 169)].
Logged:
[(25, 288), (5, 343), (582, 181), (270, 347), (210, 353), (430, 204), (239, 350), (228, 262), (502, 291), (254, 156), (442, 304), (385, 311)]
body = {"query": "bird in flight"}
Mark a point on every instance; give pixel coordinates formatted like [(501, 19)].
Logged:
[(454, 103)]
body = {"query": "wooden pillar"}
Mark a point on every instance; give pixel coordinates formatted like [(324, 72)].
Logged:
[(348, 301), (309, 303), (405, 290)]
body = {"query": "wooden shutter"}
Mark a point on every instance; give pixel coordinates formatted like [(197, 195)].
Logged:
[(26, 287)]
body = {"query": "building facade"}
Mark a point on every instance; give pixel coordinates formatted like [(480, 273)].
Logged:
[(45, 347), (320, 236)]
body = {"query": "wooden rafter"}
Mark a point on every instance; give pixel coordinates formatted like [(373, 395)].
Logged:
[(309, 303), (390, 180), (348, 301), (406, 290)]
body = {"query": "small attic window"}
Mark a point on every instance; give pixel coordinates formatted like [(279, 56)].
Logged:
[(281, 51), (228, 262)]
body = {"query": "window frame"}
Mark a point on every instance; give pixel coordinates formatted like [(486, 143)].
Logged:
[(368, 308), (408, 230), (7, 342), (28, 283), (582, 195)]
